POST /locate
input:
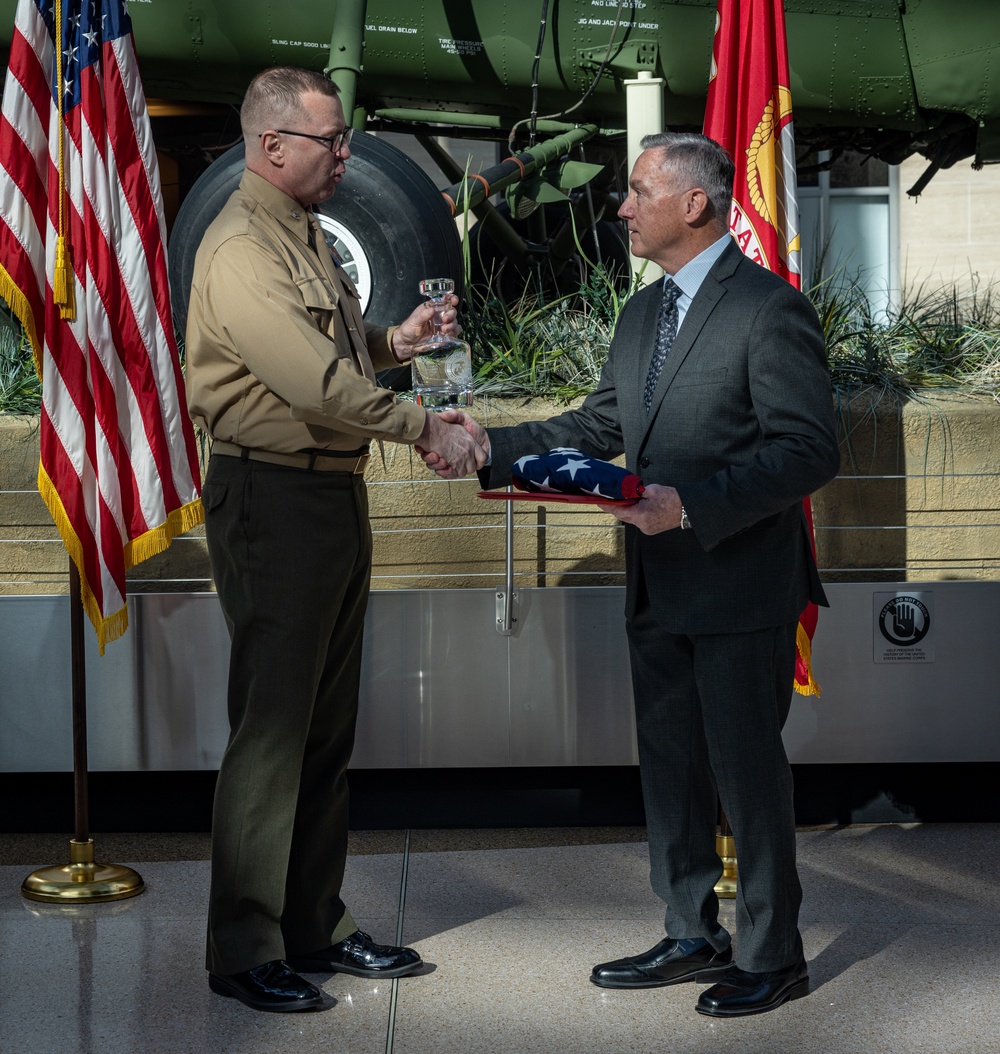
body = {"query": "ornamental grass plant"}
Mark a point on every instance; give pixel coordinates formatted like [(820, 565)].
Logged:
[(554, 347), (20, 388), (934, 340), (533, 347)]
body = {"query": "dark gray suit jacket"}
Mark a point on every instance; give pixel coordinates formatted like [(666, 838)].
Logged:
[(742, 424)]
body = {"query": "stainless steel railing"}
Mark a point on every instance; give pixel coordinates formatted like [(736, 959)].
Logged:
[(922, 525)]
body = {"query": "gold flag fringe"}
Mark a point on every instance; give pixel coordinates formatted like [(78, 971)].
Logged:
[(155, 541), (18, 303), (113, 626), (804, 645)]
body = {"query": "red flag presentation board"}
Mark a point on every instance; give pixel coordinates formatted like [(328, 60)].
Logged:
[(83, 266), (749, 112)]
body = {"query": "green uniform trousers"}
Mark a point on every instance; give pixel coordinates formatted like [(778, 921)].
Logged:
[(291, 555)]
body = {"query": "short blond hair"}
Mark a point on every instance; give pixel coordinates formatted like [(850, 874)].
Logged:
[(276, 93)]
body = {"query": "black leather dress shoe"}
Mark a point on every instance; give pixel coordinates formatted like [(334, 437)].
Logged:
[(272, 986), (670, 962), (740, 992), (361, 956)]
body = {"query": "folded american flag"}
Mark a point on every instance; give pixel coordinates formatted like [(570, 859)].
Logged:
[(568, 471)]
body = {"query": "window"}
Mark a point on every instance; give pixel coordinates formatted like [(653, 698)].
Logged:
[(848, 215)]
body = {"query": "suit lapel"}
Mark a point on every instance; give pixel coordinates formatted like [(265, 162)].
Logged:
[(710, 292)]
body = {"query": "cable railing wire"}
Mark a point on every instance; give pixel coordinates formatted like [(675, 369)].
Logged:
[(543, 522)]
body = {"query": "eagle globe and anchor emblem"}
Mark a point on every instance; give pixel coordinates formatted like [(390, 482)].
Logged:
[(770, 196)]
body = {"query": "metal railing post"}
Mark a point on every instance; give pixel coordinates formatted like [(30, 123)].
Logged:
[(506, 608)]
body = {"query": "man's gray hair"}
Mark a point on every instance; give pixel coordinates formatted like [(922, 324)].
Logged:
[(701, 160), (276, 93)]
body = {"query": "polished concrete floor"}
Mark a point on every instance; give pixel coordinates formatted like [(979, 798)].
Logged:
[(898, 923)]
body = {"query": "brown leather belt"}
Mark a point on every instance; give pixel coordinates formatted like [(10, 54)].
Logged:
[(352, 461)]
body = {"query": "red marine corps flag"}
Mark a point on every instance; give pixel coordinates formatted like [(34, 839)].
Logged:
[(83, 266), (749, 112)]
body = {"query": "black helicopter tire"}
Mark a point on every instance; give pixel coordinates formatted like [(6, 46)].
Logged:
[(388, 221)]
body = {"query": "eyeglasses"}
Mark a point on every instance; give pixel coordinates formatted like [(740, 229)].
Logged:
[(333, 143)]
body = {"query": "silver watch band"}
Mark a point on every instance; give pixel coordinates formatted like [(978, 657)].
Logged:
[(685, 522)]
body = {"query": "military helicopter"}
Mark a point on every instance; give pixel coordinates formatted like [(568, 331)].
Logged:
[(545, 80)]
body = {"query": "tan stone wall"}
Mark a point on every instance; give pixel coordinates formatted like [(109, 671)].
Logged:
[(433, 533), (929, 466), (953, 229), (31, 560), (32, 557), (428, 533)]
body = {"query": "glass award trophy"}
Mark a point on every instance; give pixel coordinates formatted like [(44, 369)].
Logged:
[(441, 366)]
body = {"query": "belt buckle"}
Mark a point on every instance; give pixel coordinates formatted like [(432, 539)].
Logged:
[(360, 465)]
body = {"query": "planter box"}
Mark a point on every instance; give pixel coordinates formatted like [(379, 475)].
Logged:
[(435, 533), (428, 532), (918, 497), (918, 494), (32, 556)]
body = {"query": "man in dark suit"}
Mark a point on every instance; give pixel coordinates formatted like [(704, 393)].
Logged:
[(717, 390)]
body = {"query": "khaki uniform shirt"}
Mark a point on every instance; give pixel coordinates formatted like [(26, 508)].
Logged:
[(278, 355)]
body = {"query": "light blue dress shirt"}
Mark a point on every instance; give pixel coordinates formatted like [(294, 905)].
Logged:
[(689, 278)]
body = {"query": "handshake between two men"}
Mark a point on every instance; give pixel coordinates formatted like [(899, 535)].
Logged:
[(453, 444), (452, 456)]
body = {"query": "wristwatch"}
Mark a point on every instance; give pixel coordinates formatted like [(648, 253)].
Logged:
[(685, 522)]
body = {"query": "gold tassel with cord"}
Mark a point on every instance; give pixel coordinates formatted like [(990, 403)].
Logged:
[(63, 295), (62, 281)]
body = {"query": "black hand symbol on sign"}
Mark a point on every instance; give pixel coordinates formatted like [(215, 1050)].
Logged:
[(903, 620)]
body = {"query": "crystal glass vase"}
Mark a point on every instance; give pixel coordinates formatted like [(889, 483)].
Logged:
[(442, 365)]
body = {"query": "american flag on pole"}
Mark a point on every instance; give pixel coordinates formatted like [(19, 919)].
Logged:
[(83, 266), (749, 112)]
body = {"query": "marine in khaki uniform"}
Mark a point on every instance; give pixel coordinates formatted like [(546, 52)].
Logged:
[(281, 375)]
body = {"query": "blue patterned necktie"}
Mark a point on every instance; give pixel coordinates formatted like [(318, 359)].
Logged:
[(666, 330)]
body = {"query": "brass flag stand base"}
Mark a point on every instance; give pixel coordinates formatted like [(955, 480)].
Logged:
[(81, 881), (725, 846)]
